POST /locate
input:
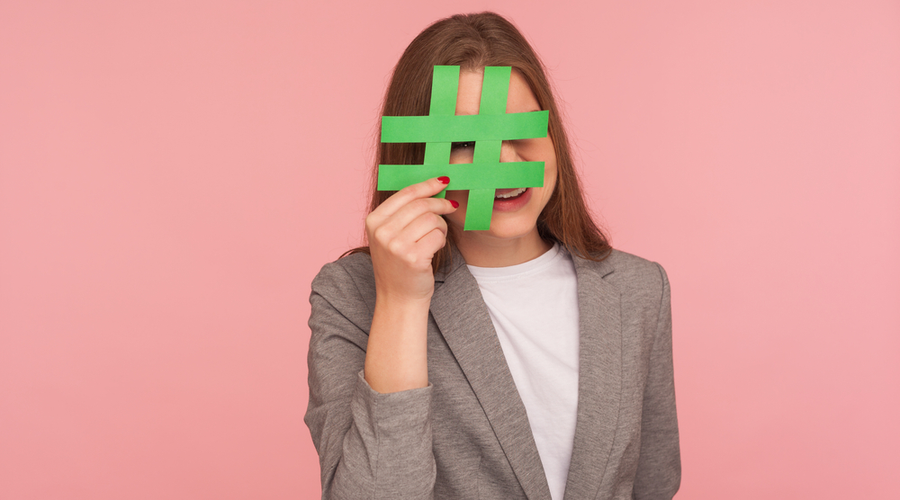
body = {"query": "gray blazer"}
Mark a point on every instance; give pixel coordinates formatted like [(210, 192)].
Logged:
[(466, 435)]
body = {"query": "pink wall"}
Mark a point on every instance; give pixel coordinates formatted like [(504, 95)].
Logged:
[(173, 175)]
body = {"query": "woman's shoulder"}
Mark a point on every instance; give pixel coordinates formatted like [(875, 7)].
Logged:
[(352, 271), (629, 271)]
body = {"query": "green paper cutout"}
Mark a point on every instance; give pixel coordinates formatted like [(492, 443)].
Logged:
[(463, 128), (472, 175), (488, 129)]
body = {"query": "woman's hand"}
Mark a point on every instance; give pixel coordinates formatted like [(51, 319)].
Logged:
[(404, 233)]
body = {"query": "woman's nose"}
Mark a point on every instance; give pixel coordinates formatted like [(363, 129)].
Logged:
[(508, 152)]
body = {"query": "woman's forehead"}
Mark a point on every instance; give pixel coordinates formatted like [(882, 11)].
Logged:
[(468, 99)]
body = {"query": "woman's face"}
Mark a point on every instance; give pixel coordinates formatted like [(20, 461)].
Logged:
[(515, 211)]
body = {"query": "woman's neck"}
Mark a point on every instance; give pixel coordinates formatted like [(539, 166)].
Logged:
[(487, 251)]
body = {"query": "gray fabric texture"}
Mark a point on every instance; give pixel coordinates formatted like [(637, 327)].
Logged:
[(466, 435)]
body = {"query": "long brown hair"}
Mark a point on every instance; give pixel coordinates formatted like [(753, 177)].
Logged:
[(473, 41)]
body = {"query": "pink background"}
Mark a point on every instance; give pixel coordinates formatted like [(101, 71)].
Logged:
[(174, 173)]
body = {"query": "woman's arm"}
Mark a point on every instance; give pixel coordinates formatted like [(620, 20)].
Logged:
[(404, 233), (659, 467), (370, 445), (369, 411)]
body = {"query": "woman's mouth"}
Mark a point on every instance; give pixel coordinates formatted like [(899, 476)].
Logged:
[(506, 194), (511, 200)]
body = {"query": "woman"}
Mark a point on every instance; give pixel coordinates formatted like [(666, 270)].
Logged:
[(530, 360)]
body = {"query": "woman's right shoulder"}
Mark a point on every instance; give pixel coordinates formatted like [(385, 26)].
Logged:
[(351, 272), (342, 299)]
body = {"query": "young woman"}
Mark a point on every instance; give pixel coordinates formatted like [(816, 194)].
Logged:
[(527, 361)]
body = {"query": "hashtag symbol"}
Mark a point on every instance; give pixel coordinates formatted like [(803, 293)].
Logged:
[(488, 129)]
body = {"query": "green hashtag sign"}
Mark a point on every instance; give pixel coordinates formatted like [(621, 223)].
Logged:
[(488, 129)]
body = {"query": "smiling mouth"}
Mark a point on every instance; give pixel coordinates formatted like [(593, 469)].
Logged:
[(512, 193)]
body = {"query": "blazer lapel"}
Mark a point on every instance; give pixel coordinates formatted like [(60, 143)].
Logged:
[(599, 378), (463, 319)]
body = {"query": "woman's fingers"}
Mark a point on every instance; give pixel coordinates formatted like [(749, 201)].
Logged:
[(425, 189), (418, 241), (404, 233), (414, 209), (423, 225), (409, 224), (389, 220), (432, 242)]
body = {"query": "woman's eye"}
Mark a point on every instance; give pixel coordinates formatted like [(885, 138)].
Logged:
[(456, 146)]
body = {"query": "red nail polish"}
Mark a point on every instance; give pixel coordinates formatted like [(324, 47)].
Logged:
[(444, 179), (454, 203)]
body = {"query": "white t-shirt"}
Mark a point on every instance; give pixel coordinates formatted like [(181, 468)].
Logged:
[(534, 308)]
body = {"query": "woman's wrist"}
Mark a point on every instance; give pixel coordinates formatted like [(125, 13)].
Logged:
[(396, 354)]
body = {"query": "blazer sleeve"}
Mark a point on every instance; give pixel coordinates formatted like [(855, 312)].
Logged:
[(370, 445), (659, 466)]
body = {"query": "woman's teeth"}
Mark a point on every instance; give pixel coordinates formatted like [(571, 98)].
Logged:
[(511, 194)]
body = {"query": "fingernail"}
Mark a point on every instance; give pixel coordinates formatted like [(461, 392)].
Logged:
[(454, 203), (444, 179)]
